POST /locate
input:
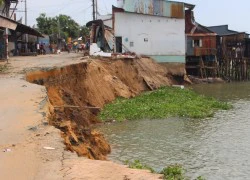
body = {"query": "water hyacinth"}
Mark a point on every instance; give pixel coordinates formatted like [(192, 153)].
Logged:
[(163, 103)]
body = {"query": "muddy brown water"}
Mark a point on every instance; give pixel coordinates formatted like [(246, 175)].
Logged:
[(215, 148)]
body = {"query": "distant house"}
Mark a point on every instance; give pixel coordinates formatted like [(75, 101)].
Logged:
[(155, 28), (200, 48), (231, 43), (11, 31)]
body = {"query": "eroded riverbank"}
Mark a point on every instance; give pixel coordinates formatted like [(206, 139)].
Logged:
[(23, 120), (77, 92)]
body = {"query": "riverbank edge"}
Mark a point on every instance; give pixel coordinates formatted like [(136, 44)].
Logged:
[(77, 93), (52, 109), (41, 148)]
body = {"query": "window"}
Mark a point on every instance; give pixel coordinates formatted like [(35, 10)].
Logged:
[(131, 44), (197, 43), (145, 39)]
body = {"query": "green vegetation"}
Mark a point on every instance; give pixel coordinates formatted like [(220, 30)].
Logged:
[(138, 165), (63, 25), (173, 172), (176, 172), (200, 178), (163, 103)]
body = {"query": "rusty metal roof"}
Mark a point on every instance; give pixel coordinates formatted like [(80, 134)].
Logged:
[(165, 8)]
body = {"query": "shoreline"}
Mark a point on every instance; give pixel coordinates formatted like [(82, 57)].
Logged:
[(28, 158)]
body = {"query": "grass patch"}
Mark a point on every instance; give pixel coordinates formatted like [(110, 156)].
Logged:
[(172, 172), (176, 172), (136, 164), (163, 103)]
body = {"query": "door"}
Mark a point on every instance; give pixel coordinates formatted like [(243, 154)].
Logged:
[(118, 43)]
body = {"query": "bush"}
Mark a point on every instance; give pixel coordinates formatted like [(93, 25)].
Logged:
[(136, 164), (173, 172)]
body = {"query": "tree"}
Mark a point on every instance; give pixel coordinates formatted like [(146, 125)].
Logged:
[(84, 33), (62, 25), (1, 2)]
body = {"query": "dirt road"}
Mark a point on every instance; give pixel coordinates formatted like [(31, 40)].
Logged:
[(29, 147)]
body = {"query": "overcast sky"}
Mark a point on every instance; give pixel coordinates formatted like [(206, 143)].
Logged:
[(213, 12)]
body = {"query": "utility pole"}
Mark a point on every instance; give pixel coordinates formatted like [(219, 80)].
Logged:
[(26, 23), (94, 9), (7, 44), (6, 33), (26, 13)]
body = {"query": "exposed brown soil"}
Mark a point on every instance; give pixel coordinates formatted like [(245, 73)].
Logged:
[(78, 92)]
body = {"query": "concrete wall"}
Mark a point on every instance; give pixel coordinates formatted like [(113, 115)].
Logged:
[(159, 37)]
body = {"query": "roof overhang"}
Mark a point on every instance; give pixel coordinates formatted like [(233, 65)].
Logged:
[(201, 34), (234, 34), (16, 26), (98, 22), (28, 30), (189, 6), (5, 23)]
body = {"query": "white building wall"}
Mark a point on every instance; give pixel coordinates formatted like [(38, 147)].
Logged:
[(151, 35)]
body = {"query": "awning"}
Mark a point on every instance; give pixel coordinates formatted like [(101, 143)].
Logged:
[(27, 30), (16, 26), (7, 24)]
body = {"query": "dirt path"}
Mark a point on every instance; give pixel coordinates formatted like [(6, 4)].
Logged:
[(25, 134)]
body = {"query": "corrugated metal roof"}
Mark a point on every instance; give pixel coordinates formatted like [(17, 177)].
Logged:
[(22, 28), (156, 7), (222, 30)]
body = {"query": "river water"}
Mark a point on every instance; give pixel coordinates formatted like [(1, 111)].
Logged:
[(215, 148)]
